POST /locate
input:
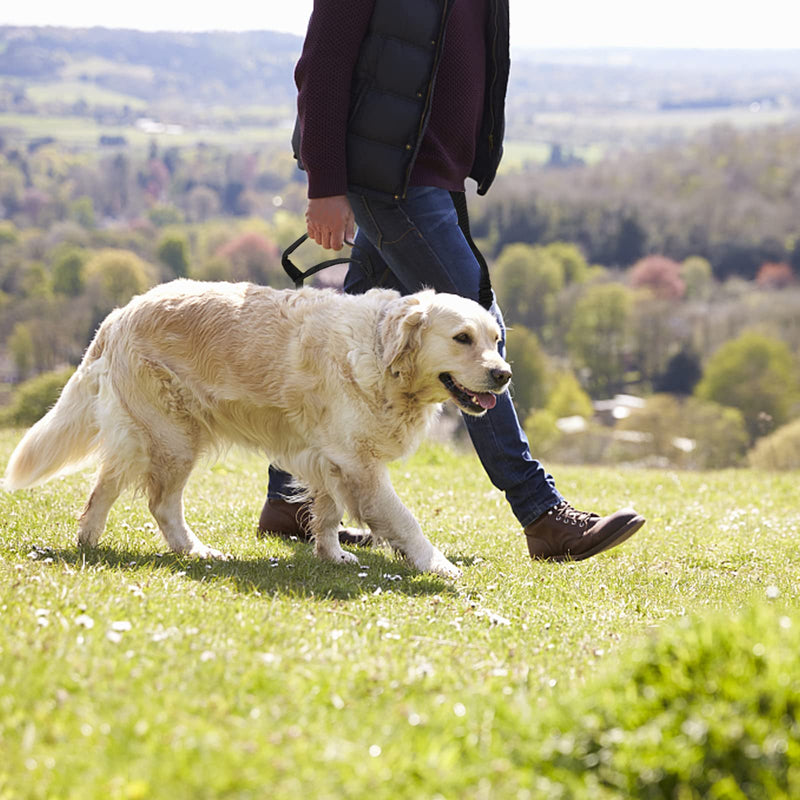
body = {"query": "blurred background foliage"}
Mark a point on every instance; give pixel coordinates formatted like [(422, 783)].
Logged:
[(646, 247)]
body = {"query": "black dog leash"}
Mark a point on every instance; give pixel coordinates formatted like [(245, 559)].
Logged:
[(296, 274), (485, 296)]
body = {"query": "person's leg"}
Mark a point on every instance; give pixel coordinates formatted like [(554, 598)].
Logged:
[(421, 243)]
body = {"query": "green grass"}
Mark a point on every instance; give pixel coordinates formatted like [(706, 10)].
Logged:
[(666, 668), (85, 132), (76, 90)]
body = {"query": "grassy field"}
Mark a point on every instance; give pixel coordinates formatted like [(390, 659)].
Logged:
[(667, 668), (85, 133)]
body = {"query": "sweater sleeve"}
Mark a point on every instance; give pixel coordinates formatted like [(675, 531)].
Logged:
[(324, 76)]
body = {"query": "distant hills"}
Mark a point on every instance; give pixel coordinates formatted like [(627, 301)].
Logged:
[(565, 106), (230, 68), (255, 68)]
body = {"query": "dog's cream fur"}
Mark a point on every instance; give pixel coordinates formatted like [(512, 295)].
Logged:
[(330, 386)]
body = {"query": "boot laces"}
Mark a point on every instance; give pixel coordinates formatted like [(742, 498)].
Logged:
[(570, 515)]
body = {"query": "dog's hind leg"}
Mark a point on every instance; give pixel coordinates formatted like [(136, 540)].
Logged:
[(92, 521), (326, 514), (166, 479)]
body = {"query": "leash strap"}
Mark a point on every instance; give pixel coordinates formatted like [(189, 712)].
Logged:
[(296, 274), (485, 296)]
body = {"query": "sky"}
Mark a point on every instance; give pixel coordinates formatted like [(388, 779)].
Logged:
[(557, 23)]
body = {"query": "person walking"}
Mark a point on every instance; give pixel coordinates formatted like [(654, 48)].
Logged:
[(399, 103)]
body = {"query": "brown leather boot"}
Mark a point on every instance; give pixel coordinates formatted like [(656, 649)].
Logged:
[(282, 518), (566, 534)]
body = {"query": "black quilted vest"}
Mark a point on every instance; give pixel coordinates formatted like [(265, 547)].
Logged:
[(393, 84)]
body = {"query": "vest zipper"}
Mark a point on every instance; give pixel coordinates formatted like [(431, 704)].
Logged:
[(426, 108), (490, 89)]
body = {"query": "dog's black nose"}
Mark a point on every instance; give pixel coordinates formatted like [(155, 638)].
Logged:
[(500, 377)]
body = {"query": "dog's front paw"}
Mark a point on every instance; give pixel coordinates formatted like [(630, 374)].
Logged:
[(441, 565), (203, 551), (335, 554)]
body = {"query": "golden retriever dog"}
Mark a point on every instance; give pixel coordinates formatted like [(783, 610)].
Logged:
[(329, 386)]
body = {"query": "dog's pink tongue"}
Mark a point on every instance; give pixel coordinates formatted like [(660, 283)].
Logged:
[(486, 400)]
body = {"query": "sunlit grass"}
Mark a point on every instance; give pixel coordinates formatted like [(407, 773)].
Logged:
[(129, 672)]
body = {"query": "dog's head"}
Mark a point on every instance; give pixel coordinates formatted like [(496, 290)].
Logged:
[(443, 346)]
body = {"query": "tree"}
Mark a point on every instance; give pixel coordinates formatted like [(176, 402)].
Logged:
[(530, 366), (68, 271), (115, 276), (568, 399), (201, 203), (572, 260), (756, 374), (775, 276), (660, 275), (82, 211), (598, 336), (21, 345), (172, 251), (698, 278), (527, 280), (681, 375), (253, 257)]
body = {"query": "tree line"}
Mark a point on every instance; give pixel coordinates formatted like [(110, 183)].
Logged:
[(629, 276)]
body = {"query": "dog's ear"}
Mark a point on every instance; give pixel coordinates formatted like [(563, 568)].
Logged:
[(400, 333)]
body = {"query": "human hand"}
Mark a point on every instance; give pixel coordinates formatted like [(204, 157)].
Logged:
[(330, 221)]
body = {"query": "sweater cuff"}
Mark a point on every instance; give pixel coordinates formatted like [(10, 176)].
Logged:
[(326, 185)]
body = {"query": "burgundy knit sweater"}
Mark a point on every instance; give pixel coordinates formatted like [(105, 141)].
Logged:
[(324, 75)]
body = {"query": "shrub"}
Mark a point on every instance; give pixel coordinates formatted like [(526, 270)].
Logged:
[(34, 398), (689, 433), (706, 708), (756, 374), (544, 436), (778, 451)]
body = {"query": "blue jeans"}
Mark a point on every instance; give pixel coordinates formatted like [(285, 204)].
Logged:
[(413, 244)]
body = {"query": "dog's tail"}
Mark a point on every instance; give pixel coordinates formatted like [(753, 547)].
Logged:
[(64, 438)]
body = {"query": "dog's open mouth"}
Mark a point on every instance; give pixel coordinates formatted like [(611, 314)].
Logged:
[(466, 399)]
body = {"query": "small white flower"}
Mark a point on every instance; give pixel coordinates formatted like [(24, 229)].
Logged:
[(121, 625), (85, 621)]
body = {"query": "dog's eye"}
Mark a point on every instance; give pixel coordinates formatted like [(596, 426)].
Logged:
[(463, 338)]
